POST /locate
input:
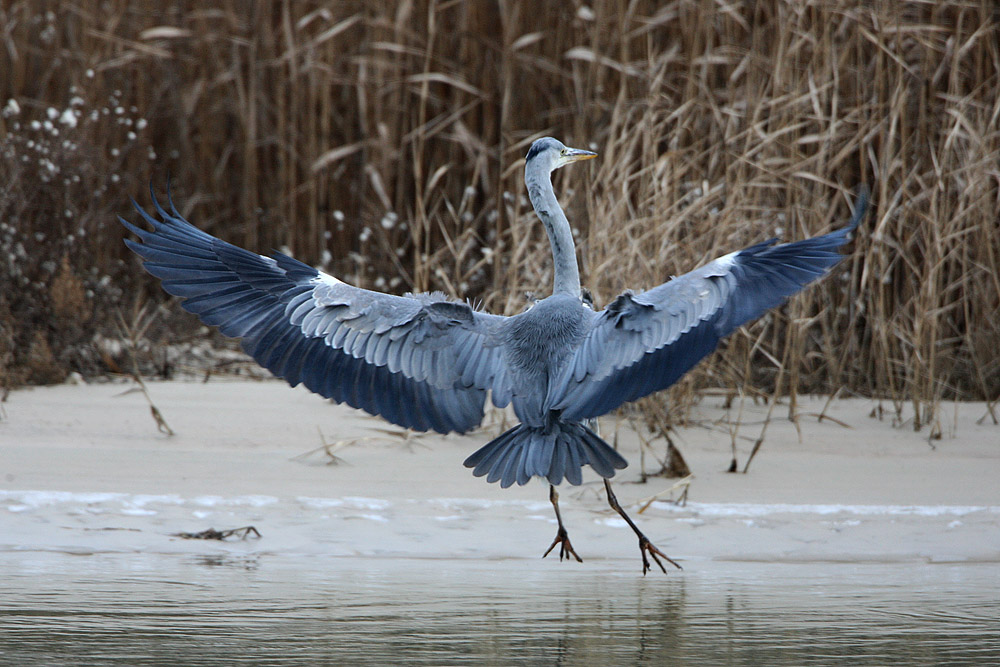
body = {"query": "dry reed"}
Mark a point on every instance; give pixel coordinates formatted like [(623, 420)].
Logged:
[(384, 142)]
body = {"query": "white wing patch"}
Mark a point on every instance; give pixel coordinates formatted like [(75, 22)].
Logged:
[(326, 279), (727, 261)]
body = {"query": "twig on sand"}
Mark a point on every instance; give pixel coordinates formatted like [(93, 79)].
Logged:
[(329, 448), (132, 333), (212, 534), (821, 416), (989, 413), (684, 484), (404, 436)]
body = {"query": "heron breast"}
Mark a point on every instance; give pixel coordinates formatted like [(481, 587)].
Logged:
[(541, 339)]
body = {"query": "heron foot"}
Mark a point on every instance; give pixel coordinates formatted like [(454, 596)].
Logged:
[(645, 546), (565, 548), (562, 537)]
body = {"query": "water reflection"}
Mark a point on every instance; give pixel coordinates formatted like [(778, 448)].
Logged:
[(149, 609)]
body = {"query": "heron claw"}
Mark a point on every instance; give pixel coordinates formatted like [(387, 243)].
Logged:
[(646, 546), (565, 548)]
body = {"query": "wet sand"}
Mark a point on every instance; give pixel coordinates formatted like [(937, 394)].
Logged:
[(83, 470)]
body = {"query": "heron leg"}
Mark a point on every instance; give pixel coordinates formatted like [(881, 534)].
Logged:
[(644, 544), (562, 537)]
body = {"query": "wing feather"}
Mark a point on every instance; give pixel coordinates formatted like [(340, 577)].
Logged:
[(420, 361), (644, 342)]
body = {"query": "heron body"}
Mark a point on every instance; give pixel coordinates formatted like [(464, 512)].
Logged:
[(536, 346), (425, 362)]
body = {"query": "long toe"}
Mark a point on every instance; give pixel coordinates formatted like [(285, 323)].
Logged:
[(565, 547), (645, 546)]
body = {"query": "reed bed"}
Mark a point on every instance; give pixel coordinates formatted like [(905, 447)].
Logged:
[(384, 142)]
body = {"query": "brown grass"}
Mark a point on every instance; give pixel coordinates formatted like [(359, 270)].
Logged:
[(719, 124)]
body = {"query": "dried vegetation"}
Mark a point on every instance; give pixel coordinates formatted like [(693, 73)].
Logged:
[(384, 141)]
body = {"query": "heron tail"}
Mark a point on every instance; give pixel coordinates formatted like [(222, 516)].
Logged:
[(559, 449)]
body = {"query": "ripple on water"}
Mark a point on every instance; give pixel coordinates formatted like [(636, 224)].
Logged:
[(184, 609)]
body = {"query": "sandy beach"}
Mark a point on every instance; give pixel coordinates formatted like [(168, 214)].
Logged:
[(84, 470)]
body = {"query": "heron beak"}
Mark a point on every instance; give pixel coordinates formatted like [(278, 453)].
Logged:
[(577, 154)]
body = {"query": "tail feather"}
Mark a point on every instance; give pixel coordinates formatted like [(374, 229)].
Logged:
[(504, 457), (599, 460), (543, 455), (523, 465), (557, 451), (560, 457), (488, 458), (575, 460)]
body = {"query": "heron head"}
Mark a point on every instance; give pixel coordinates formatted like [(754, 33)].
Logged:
[(555, 154)]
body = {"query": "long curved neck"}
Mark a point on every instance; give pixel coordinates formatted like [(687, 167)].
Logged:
[(543, 199)]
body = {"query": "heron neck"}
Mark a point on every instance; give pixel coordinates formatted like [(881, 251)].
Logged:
[(567, 274)]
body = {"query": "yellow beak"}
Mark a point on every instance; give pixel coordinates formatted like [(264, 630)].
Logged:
[(577, 154)]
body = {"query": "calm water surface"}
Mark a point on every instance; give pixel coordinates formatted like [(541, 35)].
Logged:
[(168, 609)]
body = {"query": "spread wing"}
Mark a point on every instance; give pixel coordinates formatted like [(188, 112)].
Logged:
[(419, 361), (645, 342)]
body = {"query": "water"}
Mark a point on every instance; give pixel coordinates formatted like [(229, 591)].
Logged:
[(169, 609)]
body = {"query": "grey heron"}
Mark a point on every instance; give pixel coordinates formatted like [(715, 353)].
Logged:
[(426, 362)]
